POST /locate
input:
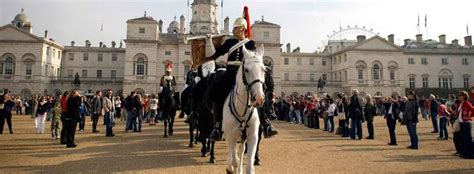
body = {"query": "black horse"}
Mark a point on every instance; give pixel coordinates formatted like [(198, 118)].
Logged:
[(169, 107), (187, 109)]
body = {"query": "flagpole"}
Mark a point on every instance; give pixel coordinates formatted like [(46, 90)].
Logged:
[(426, 25)]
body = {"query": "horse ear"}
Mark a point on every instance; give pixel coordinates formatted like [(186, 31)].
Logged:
[(260, 50), (246, 52)]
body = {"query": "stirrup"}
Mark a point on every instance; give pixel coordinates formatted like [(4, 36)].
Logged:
[(215, 135)]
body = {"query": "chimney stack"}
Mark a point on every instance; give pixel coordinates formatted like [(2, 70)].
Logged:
[(72, 43), (406, 42), (181, 24), (391, 38), (360, 38), (45, 34), (468, 41), (160, 26), (100, 44), (288, 48), (113, 44), (88, 43), (226, 25), (455, 42), (442, 39), (419, 38)]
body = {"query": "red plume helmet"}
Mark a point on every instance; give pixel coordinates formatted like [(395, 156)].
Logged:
[(169, 67), (246, 16)]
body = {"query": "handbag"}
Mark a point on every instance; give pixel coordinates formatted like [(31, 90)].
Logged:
[(456, 126)]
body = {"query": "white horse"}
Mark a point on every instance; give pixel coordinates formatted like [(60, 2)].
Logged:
[(240, 116)]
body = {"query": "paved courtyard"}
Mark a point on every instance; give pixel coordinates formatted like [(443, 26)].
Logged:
[(296, 149)]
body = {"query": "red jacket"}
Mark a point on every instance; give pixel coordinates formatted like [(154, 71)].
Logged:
[(63, 104), (466, 111)]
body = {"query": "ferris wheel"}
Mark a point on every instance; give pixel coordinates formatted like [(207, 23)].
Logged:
[(348, 33)]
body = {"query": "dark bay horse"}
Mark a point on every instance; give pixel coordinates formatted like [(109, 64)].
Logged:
[(169, 107)]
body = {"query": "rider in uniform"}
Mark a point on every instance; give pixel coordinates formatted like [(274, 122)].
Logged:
[(167, 79), (227, 81)]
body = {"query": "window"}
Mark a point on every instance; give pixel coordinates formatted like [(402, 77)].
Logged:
[(84, 73), (325, 76), (298, 76), (445, 83), (376, 72), (411, 61), (311, 77), (46, 70), (298, 61), (113, 74), (323, 62), (464, 61), (114, 57), (287, 76), (29, 70), (424, 61), (286, 61), (444, 61), (54, 52), (186, 69), (140, 67), (187, 53), (71, 56), (69, 73), (345, 57), (168, 53), (100, 57), (392, 74), (59, 54), (466, 82), (141, 30), (425, 82), (412, 83), (48, 50), (266, 35), (9, 66), (311, 61), (99, 73), (360, 74), (85, 56)]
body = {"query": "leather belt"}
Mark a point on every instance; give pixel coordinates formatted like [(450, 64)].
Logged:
[(234, 63)]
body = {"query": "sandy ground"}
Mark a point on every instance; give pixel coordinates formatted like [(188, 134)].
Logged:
[(296, 149)]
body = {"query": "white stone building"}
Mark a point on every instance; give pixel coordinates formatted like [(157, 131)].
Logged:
[(30, 64)]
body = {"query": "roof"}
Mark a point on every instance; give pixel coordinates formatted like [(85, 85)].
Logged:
[(366, 41), (257, 23), (147, 19), (40, 39), (21, 17)]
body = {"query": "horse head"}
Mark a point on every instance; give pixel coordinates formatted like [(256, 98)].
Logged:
[(253, 75)]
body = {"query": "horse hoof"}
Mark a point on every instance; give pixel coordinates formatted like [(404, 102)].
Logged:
[(228, 172), (203, 154), (212, 161), (165, 136), (191, 145), (257, 163)]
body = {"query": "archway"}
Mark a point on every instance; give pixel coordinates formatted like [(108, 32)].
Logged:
[(25, 93)]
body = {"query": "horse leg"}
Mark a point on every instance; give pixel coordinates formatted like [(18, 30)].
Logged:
[(252, 145), (191, 134), (240, 157), (231, 156), (171, 122), (257, 156), (204, 147), (165, 123), (211, 150), (197, 135)]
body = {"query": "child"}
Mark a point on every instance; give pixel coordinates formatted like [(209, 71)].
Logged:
[(55, 121)]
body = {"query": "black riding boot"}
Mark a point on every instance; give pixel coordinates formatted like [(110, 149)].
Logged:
[(216, 132), (268, 129)]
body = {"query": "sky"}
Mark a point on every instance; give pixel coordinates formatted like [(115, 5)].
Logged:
[(305, 23)]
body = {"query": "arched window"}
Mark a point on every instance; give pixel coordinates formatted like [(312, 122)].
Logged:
[(140, 67), (9, 66), (376, 72)]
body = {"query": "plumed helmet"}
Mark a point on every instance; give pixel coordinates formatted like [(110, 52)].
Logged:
[(240, 22), (169, 67)]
